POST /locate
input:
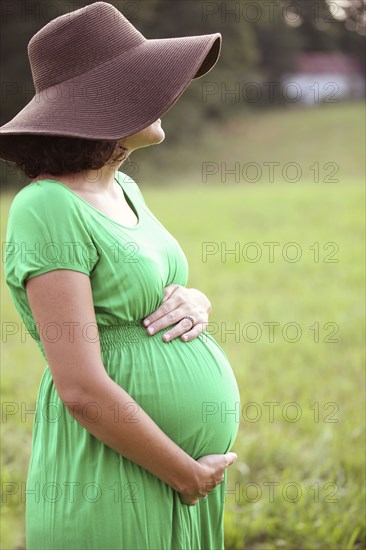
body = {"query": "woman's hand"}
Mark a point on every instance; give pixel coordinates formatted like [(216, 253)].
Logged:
[(209, 474), (178, 302)]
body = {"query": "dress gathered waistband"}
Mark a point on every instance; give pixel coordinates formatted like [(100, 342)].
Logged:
[(119, 335), (133, 332)]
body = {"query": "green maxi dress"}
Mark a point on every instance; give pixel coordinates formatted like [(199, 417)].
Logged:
[(81, 494)]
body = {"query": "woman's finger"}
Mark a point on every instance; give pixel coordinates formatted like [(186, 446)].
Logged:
[(170, 303), (194, 332), (168, 291), (180, 329), (231, 457), (168, 320)]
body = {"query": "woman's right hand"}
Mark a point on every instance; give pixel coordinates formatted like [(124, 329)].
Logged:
[(209, 473)]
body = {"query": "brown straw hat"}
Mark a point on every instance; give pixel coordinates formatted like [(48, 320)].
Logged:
[(97, 77)]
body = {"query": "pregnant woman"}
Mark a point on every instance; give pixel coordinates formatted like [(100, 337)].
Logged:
[(133, 430)]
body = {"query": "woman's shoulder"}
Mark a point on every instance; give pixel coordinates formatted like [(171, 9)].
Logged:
[(41, 194)]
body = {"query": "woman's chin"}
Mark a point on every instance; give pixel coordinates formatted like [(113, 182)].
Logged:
[(153, 135), (159, 136)]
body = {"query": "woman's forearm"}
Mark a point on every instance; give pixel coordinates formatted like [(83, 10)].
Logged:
[(109, 413)]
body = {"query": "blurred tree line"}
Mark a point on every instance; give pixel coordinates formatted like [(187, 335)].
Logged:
[(260, 41)]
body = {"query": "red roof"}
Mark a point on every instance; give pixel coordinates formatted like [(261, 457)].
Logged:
[(320, 63)]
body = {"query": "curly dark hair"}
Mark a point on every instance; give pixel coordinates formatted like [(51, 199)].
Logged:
[(56, 155)]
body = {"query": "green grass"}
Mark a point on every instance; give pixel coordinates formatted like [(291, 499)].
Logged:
[(317, 461), (328, 133)]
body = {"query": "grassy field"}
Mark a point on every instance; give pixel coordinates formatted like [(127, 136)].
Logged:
[(293, 292)]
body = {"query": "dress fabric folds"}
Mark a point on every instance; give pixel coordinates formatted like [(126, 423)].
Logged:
[(80, 493)]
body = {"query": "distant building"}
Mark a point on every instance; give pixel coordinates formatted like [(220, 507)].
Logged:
[(323, 78)]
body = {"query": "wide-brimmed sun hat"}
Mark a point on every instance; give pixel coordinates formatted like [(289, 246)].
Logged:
[(97, 77)]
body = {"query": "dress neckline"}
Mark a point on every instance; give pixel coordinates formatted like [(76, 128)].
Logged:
[(132, 205)]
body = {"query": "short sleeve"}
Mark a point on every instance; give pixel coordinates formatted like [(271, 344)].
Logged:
[(46, 231)]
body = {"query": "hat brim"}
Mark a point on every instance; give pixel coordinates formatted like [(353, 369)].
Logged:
[(117, 98)]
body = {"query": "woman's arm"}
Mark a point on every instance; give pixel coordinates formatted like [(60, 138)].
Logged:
[(64, 298)]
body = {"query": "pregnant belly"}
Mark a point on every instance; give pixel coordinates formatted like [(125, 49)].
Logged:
[(187, 388)]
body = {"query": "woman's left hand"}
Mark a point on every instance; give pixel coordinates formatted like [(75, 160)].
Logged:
[(178, 302)]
